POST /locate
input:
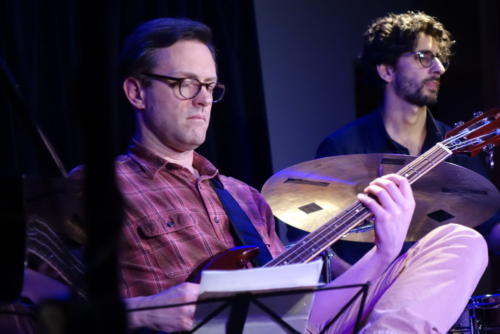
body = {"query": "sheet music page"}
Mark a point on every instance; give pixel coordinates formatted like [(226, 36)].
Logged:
[(261, 279)]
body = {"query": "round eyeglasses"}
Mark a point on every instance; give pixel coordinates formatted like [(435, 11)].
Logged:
[(189, 88), (427, 58)]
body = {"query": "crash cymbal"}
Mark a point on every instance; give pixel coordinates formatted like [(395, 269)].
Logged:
[(308, 194)]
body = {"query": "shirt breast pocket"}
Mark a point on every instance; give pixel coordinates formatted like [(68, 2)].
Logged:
[(171, 243)]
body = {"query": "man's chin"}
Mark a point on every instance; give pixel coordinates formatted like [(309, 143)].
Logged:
[(423, 101), (194, 144), (432, 100), (186, 146)]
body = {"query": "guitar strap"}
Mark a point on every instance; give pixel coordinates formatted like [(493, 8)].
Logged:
[(244, 230)]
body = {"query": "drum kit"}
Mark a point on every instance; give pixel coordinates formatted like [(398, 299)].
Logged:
[(308, 194), (482, 315)]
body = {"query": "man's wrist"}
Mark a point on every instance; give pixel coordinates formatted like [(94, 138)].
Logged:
[(385, 257), (135, 318)]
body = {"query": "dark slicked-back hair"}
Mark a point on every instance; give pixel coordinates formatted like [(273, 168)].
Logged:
[(138, 52), (388, 37)]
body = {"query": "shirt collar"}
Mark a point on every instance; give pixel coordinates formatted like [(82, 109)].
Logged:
[(388, 141), (153, 164), (433, 133)]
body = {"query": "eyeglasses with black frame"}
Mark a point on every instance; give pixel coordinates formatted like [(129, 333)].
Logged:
[(189, 88), (427, 58)]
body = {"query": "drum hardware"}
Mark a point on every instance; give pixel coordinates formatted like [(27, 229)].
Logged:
[(484, 313), (481, 316)]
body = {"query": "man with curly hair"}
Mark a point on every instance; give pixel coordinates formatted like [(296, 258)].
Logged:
[(404, 57)]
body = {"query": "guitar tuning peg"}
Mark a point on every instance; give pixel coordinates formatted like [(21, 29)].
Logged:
[(477, 113), (489, 154), (457, 124)]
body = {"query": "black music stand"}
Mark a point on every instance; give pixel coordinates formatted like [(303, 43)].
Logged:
[(249, 312)]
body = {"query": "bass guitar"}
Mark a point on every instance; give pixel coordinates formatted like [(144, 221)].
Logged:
[(481, 133)]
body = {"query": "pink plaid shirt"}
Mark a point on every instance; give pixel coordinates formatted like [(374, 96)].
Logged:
[(174, 221)]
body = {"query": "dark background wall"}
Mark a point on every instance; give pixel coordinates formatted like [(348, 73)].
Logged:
[(308, 50), (64, 55)]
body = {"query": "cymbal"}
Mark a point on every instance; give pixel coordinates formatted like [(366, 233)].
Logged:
[(308, 194)]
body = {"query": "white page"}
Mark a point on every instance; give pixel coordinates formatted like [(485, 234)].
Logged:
[(262, 279)]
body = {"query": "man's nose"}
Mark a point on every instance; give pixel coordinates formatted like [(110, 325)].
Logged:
[(438, 66), (204, 97)]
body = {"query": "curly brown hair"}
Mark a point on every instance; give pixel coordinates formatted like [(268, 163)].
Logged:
[(388, 37)]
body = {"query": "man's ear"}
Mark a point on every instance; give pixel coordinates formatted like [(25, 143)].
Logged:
[(386, 72), (134, 91)]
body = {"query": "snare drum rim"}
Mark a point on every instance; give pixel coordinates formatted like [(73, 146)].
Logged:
[(488, 301)]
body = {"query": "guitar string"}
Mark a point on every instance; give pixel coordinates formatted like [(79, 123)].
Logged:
[(345, 218), (355, 213), (358, 207)]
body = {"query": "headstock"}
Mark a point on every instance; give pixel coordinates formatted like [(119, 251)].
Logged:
[(481, 132)]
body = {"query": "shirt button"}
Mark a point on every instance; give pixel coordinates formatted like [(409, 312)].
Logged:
[(216, 220), (148, 227)]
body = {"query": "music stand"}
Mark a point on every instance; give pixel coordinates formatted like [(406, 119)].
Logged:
[(247, 312)]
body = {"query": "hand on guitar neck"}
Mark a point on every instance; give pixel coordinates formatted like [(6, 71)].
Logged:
[(391, 201), (392, 211)]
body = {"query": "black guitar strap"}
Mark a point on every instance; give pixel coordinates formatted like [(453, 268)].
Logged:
[(244, 230)]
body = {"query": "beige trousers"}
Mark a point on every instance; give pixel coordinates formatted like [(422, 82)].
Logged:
[(424, 290)]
